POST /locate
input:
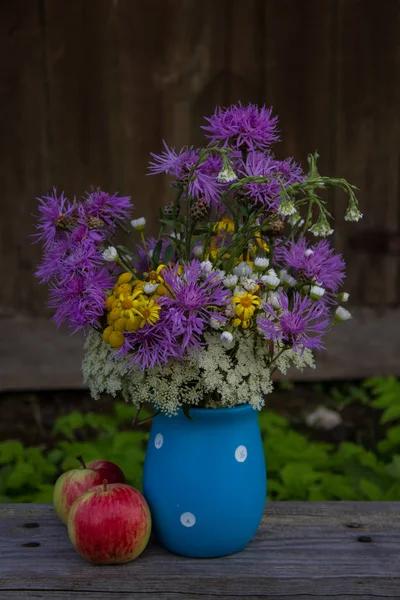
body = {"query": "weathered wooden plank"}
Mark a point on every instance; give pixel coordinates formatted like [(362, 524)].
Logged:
[(302, 550), (24, 151), (192, 75), (245, 53), (35, 355), (367, 126), (82, 68), (298, 55)]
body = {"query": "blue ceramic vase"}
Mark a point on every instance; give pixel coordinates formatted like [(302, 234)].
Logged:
[(205, 480)]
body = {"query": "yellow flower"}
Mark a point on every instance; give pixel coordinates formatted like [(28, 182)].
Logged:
[(239, 322), (148, 312), (125, 278), (116, 339), (124, 288), (260, 242), (106, 334), (133, 324), (110, 302), (119, 324), (224, 225), (246, 303)]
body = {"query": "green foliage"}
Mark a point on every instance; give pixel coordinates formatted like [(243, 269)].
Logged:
[(28, 474), (386, 391), (298, 468)]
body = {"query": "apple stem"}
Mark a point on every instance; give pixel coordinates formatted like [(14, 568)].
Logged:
[(105, 485), (80, 458)]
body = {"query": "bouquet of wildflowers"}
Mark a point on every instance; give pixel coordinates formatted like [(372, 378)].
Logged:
[(240, 280)]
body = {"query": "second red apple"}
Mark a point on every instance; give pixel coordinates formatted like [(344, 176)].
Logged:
[(70, 485)]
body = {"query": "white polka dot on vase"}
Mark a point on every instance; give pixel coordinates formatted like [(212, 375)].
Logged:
[(188, 519), (241, 453), (158, 440)]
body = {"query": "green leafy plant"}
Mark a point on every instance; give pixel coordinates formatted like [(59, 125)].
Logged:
[(298, 468), (28, 474)]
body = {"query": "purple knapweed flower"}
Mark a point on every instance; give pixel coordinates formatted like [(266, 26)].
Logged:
[(152, 345), (80, 300), (299, 323), (318, 261), (108, 207), (203, 176), (288, 171), (260, 165), (194, 299), (55, 213), (171, 162), (242, 127)]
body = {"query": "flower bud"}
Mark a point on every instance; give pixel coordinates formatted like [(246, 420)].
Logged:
[(261, 263), (316, 292), (110, 254), (242, 270), (226, 175), (139, 224), (206, 266), (150, 288), (342, 314), (230, 281), (226, 338), (198, 251)]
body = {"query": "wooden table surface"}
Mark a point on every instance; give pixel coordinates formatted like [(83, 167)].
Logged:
[(338, 550)]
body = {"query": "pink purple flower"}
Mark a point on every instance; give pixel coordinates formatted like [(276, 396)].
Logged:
[(171, 162), (318, 261), (243, 127), (153, 344), (80, 300), (194, 298), (108, 207), (299, 323), (260, 165), (55, 212), (288, 171), (203, 180), (73, 235)]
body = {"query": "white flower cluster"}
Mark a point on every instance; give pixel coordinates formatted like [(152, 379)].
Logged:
[(299, 360), (215, 372), (242, 379)]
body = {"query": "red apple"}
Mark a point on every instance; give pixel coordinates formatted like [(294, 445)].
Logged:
[(110, 524), (73, 483), (108, 470)]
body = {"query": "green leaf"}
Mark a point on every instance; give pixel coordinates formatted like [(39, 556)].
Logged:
[(371, 491), (100, 422), (157, 252), (394, 468), (124, 412), (10, 451), (128, 251), (68, 424), (168, 254), (128, 440), (391, 414), (22, 474)]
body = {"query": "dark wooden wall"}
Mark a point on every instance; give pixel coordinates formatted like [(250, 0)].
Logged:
[(90, 87)]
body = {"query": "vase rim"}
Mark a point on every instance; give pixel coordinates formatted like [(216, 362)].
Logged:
[(237, 407), (223, 410)]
